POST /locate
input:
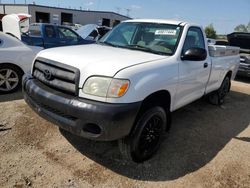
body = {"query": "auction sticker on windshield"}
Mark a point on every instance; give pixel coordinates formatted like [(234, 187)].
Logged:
[(165, 32)]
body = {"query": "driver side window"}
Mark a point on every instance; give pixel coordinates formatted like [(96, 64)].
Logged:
[(50, 31), (194, 39)]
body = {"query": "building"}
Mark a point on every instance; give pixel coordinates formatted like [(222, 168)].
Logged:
[(63, 16)]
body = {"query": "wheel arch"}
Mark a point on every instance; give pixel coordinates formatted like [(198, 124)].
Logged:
[(13, 65), (229, 74), (159, 98)]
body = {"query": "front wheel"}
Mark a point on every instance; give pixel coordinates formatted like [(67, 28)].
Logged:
[(146, 137), (10, 78)]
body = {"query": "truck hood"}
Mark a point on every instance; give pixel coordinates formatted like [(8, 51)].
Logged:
[(16, 24), (95, 59)]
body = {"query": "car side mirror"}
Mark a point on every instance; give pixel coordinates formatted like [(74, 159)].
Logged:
[(194, 54)]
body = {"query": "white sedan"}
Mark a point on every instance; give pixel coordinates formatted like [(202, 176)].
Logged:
[(15, 60)]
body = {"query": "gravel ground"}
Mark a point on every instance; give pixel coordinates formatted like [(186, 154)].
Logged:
[(208, 146)]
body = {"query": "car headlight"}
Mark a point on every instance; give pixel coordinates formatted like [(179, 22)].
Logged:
[(106, 87)]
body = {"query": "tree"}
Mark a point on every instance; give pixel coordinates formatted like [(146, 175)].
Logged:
[(210, 31), (248, 27), (241, 28)]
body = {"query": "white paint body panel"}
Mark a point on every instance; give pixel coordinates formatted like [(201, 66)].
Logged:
[(14, 51), (186, 81), (15, 24)]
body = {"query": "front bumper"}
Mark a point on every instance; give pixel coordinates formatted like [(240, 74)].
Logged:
[(89, 119)]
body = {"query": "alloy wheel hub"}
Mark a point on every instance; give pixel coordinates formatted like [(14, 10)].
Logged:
[(8, 79)]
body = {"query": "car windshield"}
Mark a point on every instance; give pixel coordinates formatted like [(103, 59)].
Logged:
[(150, 37), (34, 30)]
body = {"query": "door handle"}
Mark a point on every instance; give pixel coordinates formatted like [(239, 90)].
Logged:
[(205, 65)]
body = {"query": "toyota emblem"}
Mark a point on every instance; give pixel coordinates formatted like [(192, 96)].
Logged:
[(47, 74)]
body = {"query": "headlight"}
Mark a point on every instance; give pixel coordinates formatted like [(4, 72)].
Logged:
[(105, 87)]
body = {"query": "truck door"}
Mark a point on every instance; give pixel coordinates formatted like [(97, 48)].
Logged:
[(50, 37), (193, 75)]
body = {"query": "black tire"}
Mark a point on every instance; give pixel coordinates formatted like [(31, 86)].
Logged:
[(7, 73), (146, 137), (217, 97)]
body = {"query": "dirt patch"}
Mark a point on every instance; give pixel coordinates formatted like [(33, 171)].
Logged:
[(208, 146), (95, 175)]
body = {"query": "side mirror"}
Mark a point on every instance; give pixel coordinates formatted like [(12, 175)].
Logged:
[(194, 54)]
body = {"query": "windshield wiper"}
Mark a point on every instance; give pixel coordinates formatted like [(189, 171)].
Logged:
[(136, 46), (144, 48), (107, 43)]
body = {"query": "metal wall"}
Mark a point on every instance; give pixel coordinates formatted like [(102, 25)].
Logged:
[(1, 9), (10, 9), (81, 17)]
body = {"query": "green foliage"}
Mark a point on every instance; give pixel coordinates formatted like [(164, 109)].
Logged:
[(242, 28), (248, 27), (210, 31)]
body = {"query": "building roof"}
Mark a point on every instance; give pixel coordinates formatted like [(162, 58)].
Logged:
[(70, 9)]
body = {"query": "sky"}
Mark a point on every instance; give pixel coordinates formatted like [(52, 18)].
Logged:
[(225, 15)]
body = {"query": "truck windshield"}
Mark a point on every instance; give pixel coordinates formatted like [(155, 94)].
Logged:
[(150, 37)]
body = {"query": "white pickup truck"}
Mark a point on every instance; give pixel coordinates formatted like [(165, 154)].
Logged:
[(126, 86)]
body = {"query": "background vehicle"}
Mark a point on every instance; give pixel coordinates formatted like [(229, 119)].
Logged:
[(48, 36), (15, 60), (15, 24), (144, 70), (40, 34), (211, 41), (222, 42), (92, 32), (242, 40)]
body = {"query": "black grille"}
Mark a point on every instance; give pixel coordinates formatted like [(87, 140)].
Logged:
[(56, 75)]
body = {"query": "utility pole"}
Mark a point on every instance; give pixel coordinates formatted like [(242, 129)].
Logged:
[(128, 11), (118, 9)]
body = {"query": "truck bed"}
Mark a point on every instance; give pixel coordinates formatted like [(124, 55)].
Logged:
[(219, 50), (223, 59)]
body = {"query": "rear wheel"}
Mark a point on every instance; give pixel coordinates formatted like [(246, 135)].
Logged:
[(217, 98), (146, 137), (10, 78)]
